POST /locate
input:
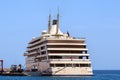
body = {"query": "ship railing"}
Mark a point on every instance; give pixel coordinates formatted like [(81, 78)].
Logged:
[(39, 42), (78, 37), (70, 60), (25, 54), (54, 38), (37, 47)]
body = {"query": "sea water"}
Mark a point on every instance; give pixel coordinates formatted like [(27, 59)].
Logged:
[(98, 75)]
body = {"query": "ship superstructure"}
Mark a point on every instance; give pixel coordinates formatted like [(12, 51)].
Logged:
[(56, 53)]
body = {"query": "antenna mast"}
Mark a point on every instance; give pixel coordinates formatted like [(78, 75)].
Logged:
[(49, 25), (57, 22)]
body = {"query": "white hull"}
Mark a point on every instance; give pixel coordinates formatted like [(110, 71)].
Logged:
[(61, 71), (69, 71)]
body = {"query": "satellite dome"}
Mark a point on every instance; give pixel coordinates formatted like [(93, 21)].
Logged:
[(44, 32)]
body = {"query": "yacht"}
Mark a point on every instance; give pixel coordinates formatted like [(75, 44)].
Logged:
[(57, 54)]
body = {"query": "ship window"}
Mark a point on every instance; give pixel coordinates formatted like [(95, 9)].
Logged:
[(51, 65), (43, 47), (87, 57), (80, 57), (84, 57), (65, 46), (55, 57), (69, 51), (84, 46), (44, 52), (85, 65), (68, 65), (60, 65), (75, 65), (43, 58), (83, 52), (86, 52)]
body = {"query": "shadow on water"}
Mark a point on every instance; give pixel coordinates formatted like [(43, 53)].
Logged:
[(70, 77)]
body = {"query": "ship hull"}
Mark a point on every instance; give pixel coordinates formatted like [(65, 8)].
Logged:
[(66, 75), (68, 71)]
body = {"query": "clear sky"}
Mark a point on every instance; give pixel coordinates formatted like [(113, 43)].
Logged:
[(96, 20)]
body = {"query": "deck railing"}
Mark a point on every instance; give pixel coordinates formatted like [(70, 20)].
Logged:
[(86, 60)]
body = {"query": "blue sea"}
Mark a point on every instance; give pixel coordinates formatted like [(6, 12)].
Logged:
[(98, 75)]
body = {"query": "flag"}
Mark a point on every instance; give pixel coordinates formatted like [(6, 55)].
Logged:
[(68, 34)]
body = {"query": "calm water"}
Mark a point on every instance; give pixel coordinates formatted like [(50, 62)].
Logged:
[(99, 75)]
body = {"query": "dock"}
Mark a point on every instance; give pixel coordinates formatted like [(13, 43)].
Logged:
[(12, 74)]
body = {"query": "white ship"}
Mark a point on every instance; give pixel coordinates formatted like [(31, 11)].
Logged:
[(56, 53)]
